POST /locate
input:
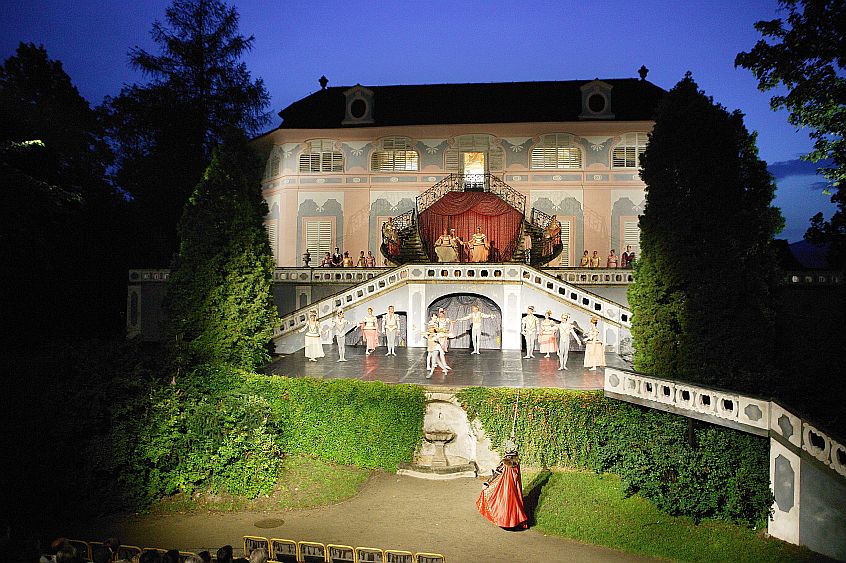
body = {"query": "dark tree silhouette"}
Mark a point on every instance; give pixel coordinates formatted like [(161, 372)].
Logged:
[(703, 293)]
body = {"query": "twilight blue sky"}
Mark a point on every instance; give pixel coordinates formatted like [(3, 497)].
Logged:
[(378, 43)]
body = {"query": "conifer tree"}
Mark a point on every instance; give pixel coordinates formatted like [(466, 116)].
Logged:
[(220, 294), (702, 300)]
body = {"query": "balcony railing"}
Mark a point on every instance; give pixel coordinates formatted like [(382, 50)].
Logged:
[(469, 183)]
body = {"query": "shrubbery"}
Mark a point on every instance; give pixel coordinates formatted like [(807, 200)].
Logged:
[(227, 430), (723, 474)]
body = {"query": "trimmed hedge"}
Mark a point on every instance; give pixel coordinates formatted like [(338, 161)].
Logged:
[(224, 429), (720, 473)]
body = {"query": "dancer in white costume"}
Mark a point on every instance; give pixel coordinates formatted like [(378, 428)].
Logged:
[(434, 353), (390, 326), (594, 347), (548, 335), (313, 346), (529, 329), (475, 317), (338, 327), (443, 329), (565, 330)]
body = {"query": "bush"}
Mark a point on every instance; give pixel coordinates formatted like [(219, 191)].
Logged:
[(227, 430), (720, 473)]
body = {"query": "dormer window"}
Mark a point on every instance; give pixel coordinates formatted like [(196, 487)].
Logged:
[(359, 106), (596, 100)]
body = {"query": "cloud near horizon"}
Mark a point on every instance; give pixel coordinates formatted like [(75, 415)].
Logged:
[(797, 167)]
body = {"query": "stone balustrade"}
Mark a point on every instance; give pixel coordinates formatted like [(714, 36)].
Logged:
[(807, 464), (138, 276), (593, 276), (813, 278), (475, 273)]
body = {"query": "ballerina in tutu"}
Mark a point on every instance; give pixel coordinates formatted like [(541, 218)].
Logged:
[(313, 346), (548, 335), (594, 347), (369, 329)]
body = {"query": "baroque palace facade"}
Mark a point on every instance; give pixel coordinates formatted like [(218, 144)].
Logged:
[(345, 159)]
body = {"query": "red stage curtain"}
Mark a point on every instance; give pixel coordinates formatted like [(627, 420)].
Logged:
[(464, 211)]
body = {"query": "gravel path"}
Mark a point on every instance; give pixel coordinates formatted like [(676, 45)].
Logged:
[(390, 512)]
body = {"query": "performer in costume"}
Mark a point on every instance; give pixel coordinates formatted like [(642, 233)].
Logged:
[(369, 325), (391, 237), (594, 347), (434, 353), (548, 335), (501, 501), (627, 257), (443, 328), (339, 328), (362, 260), (390, 326), (313, 346), (594, 260), (337, 258), (527, 248), (612, 260), (475, 317), (585, 260), (446, 247), (529, 329), (370, 260), (478, 246), (551, 235), (565, 330)]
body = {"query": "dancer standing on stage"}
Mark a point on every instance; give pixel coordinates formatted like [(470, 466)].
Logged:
[(369, 329), (565, 330), (529, 329), (479, 246), (434, 353), (338, 327), (443, 329), (548, 335), (390, 326), (594, 347), (313, 346), (475, 318)]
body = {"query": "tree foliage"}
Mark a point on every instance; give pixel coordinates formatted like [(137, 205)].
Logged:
[(806, 54), (166, 130), (703, 291), (220, 293), (60, 220)]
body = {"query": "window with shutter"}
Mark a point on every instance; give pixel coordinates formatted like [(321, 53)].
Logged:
[(566, 260), (318, 238), (394, 154), (627, 153), (451, 160), (271, 236), (631, 235), (321, 156), (555, 152)]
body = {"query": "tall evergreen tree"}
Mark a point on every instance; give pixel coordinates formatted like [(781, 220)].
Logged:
[(220, 293), (60, 220), (702, 300), (166, 130)]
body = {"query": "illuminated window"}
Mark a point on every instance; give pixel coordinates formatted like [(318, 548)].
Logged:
[(321, 156), (394, 154), (555, 152), (494, 156), (627, 153)]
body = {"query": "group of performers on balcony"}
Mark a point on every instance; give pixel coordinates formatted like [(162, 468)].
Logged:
[(554, 336), (448, 245)]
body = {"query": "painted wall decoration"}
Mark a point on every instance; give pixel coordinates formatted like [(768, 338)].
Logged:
[(624, 206), (517, 150), (596, 149), (356, 154), (430, 152)]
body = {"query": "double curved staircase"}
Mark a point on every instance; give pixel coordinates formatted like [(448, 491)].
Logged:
[(412, 249)]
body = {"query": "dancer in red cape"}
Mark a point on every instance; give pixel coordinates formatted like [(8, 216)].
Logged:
[(501, 501)]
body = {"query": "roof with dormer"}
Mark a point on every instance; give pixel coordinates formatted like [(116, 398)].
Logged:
[(631, 99)]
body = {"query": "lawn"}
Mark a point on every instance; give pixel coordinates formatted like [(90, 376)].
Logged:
[(304, 482), (592, 509)]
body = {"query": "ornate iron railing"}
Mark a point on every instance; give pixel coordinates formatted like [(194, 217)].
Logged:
[(540, 219), (449, 184), (508, 194)]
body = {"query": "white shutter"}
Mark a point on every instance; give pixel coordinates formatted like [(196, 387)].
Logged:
[(271, 236), (496, 160), (556, 152), (565, 243), (451, 160), (631, 235), (318, 237)]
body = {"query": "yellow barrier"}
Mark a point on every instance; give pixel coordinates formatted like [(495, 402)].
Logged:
[(283, 551), (423, 557), (251, 543), (128, 552), (341, 553), (82, 548), (369, 555), (312, 552), (398, 556)]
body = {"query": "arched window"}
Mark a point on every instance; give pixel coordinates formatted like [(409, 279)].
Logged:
[(555, 152), (320, 156), (627, 153), (481, 143), (394, 154)]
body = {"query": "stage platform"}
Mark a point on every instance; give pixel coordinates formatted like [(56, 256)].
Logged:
[(491, 368)]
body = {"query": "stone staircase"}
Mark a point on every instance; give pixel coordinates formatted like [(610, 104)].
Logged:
[(411, 247)]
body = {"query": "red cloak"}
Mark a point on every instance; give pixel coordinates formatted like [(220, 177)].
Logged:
[(501, 501)]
